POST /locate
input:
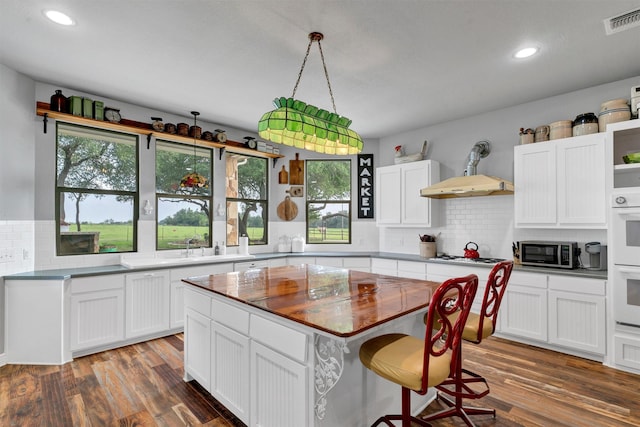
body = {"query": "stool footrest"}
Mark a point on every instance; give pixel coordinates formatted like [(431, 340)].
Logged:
[(462, 388)]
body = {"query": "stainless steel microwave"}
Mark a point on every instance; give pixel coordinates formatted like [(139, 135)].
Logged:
[(549, 254)]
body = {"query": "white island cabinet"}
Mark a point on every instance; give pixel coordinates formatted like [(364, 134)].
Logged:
[(271, 371)]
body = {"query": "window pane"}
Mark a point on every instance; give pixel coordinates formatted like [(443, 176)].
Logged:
[(247, 204), (96, 223), (328, 222), (328, 180), (181, 220), (173, 161), (96, 159), (246, 218)]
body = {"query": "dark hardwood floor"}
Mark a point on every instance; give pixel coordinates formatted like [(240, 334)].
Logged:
[(141, 385)]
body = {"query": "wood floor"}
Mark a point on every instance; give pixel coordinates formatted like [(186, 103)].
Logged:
[(141, 385)]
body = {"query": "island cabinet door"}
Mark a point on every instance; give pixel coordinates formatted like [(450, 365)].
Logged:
[(279, 389), (230, 369), (197, 351)]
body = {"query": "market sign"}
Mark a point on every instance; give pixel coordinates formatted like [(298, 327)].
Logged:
[(365, 185)]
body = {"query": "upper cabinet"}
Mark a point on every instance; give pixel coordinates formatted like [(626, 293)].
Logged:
[(398, 200), (561, 183), (623, 138)]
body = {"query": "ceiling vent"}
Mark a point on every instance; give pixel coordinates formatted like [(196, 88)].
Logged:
[(622, 22)]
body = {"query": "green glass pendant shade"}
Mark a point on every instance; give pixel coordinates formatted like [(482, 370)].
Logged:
[(297, 124)]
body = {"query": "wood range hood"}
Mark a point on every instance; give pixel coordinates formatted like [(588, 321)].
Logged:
[(468, 186), (471, 184)]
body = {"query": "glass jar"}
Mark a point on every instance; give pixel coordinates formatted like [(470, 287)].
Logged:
[(59, 102)]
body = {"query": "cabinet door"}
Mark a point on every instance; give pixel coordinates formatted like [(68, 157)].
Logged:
[(177, 304), (230, 369), (415, 208), (244, 266), (197, 349), (581, 182), (577, 321), (535, 185), (97, 318), (412, 270), (279, 389), (387, 267), (147, 303), (388, 182), (523, 312)]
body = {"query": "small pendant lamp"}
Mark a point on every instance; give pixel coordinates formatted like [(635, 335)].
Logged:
[(194, 180), (304, 126)]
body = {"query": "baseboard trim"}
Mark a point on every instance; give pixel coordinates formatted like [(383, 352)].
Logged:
[(3, 359)]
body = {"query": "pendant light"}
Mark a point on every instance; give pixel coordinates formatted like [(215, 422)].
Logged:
[(304, 126), (194, 180)]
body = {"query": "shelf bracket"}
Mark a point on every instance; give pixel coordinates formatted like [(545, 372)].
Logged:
[(44, 121), (148, 141), (275, 160), (221, 153)]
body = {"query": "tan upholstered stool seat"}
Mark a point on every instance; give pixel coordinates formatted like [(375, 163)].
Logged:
[(400, 358)]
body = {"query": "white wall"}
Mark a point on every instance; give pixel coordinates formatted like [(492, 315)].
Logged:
[(488, 221)]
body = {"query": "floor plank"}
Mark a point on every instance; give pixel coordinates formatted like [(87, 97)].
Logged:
[(142, 385)]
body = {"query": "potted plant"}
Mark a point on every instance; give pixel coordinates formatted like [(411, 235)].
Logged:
[(427, 246)]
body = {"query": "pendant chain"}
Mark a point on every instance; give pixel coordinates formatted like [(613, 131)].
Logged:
[(326, 73)]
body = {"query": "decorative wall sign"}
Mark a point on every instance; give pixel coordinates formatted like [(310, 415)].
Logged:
[(365, 185)]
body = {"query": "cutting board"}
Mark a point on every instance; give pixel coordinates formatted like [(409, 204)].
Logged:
[(287, 210), (283, 176), (296, 171)]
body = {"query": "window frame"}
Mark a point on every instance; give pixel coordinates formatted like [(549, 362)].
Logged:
[(348, 202), (60, 190), (263, 202), (184, 196)]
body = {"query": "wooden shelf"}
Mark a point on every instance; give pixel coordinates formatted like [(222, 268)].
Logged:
[(130, 126)]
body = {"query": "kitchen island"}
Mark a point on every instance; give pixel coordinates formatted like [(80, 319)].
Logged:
[(279, 346)]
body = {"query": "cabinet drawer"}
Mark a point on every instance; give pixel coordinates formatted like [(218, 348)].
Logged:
[(356, 262), (280, 338), (197, 301), (384, 264), (244, 266), (97, 283), (329, 261), (528, 279), (577, 284), (230, 316)]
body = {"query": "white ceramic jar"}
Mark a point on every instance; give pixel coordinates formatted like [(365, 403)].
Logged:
[(560, 129), (616, 110)]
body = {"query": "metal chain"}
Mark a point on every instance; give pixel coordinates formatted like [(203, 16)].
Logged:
[(326, 73)]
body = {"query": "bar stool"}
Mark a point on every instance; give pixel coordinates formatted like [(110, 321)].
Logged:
[(478, 326), (417, 364)]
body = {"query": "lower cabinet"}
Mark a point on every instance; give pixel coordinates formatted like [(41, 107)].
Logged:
[(523, 311), (147, 306), (97, 311), (442, 272), (197, 351), (384, 266)]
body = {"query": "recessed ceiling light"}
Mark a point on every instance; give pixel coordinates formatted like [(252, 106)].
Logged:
[(58, 17), (526, 52)]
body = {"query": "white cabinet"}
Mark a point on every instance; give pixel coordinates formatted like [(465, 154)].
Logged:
[(249, 265), (577, 318), (97, 311), (412, 270), (561, 183), (399, 203), (623, 138), (442, 272), (523, 311), (197, 337), (147, 306), (388, 267), (350, 263)]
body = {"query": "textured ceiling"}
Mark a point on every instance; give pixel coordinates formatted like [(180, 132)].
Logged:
[(394, 65)]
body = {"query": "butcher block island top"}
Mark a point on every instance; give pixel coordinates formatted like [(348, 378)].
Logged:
[(338, 301)]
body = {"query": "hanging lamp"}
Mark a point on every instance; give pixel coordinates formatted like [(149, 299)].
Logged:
[(304, 126), (193, 179)]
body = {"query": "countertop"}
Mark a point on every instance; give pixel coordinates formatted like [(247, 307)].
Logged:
[(338, 301), (66, 273)]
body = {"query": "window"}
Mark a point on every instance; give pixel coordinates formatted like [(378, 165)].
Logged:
[(247, 204), (183, 213), (96, 190), (328, 201)]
